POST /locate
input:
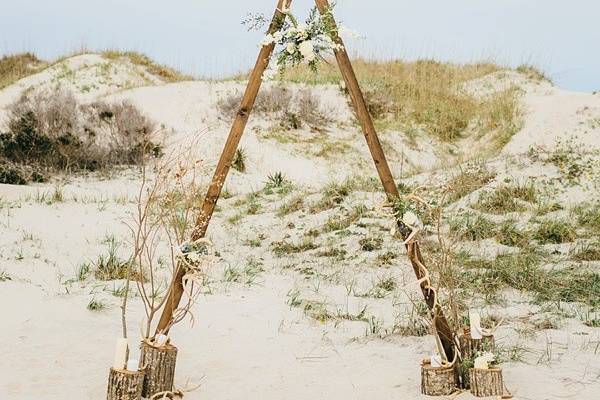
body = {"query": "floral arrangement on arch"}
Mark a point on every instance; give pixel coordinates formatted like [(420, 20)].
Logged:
[(298, 42)]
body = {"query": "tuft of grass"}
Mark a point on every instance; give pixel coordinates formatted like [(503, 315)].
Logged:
[(555, 231), (508, 234), (505, 198), (472, 226), (96, 305), (294, 204), (533, 73), (167, 74), (4, 276), (18, 66), (370, 243), (340, 222), (474, 176), (588, 216), (283, 247), (239, 160), (587, 252)]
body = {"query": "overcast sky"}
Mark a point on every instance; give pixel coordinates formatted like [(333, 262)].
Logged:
[(204, 37)]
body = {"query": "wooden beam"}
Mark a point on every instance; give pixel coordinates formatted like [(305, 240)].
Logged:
[(224, 164), (385, 175)]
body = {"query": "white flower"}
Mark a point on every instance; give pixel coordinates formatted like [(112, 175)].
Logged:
[(290, 48), (301, 31), (267, 40), (307, 49), (411, 219), (277, 36), (270, 73), (480, 363)]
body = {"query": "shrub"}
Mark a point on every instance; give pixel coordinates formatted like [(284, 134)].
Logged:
[(473, 177), (370, 243), (51, 131), (504, 198)]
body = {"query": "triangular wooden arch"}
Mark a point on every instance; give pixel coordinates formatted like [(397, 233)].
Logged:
[(241, 118)]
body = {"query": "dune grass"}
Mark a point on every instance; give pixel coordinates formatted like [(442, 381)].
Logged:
[(166, 73), (426, 95), (18, 66)]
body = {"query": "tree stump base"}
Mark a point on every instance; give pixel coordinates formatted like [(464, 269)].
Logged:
[(469, 346), (124, 385), (159, 365), (438, 381), (486, 382)]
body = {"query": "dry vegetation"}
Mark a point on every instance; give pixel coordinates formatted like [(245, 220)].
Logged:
[(50, 131), (427, 96), (17, 66)]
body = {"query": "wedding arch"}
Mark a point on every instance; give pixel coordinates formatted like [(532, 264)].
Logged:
[(439, 322)]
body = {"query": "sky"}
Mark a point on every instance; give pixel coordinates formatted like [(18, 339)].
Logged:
[(206, 38)]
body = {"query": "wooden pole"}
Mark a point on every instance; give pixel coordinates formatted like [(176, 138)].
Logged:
[(389, 185), (224, 164)]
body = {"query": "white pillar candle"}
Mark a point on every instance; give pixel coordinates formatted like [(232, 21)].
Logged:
[(133, 364), (475, 324), (120, 354), (161, 340)]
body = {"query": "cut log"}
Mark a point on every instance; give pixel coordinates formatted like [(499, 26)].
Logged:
[(124, 385), (438, 381), (486, 382), (469, 346), (159, 365)]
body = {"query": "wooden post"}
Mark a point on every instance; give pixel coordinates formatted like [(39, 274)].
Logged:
[(124, 385), (438, 381), (486, 382), (231, 145), (159, 366), (385, 175)]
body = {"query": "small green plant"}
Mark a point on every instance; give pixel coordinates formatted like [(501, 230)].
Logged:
[(555, 231), (239, 160), (472, 226), (370, 243), (83, 271), (505, 198), (294, 204), (283, 247), (587, 252), (509, 234), (4, 276), (96, 305), (474, 176)]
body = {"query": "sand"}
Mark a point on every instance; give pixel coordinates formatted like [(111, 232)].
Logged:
[(247, 341)]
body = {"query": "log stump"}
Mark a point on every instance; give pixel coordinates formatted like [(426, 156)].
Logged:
[(438, 381), (159, 365), (486, 382), (124, 385), (469, 346)]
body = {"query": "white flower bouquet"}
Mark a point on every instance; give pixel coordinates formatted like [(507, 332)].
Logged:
[(297, 42)]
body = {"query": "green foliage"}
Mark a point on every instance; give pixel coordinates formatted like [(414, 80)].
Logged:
[(472, 226), (239, 160), (555, 231), (370, 243)]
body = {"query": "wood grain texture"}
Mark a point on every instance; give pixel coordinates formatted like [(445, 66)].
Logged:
[(438, 381), (159, 366), (486, 382), (124, 385)]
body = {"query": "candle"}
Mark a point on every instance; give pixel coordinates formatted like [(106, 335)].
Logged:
[(436, 360), (120, 354), (475, 325), (132, 365), (161, 340)]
